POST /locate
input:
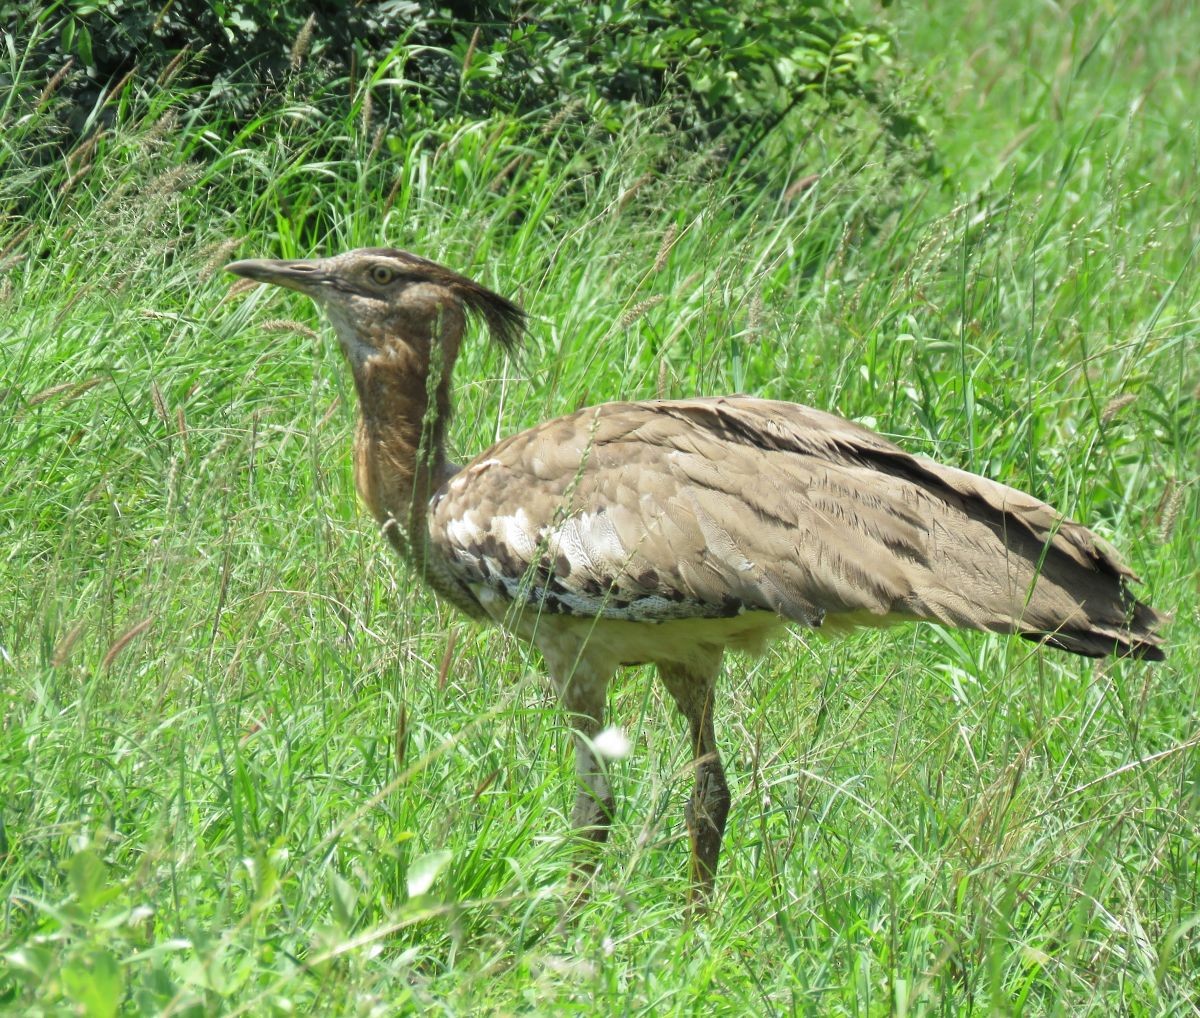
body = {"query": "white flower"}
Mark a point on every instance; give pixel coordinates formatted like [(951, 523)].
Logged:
[(612, 744)]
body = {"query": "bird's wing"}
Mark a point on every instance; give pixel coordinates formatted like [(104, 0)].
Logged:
[(713, 507), (679, 509)]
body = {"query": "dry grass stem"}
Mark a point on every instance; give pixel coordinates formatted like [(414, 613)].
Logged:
[(240, 287), (632, 190), (66, 186), (470, 54), (639, 309), (447, 659), (754, 319), (82, 152), (53, 84), (17, 239), (216, 255), (365, 111), (167, 75), (119, 87), (181, 427), (507, 171), (301, 43), (798, 187), (400, 740), (327, 416), (124, 640), (390, 200), (664, 248), (74, 390), (1168, 508), (560, 118), (160, 405), (289, 325), (1115, 405), (62, 650)]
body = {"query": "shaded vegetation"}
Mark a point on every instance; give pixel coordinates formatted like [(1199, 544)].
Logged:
[(730, 75)]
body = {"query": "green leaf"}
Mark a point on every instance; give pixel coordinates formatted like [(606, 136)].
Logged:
[(88, 876), (424, 870), (266, 879), (344, 899), (85, 46), (32, 962), (155, 993), (94, 981)]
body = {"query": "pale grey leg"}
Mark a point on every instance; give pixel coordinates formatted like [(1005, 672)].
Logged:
[(693, 692), (581, 684)]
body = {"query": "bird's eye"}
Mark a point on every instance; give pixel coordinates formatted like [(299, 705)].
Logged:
[(382, 274)]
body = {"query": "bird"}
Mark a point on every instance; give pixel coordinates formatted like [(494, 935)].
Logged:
[(674, 531)]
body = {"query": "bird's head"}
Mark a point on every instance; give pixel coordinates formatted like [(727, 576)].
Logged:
[(390, 305)]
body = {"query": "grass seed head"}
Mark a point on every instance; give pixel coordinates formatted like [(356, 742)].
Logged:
[(1115, 405), (302, 42)]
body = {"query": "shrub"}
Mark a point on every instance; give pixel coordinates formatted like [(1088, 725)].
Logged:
[(731, 74)]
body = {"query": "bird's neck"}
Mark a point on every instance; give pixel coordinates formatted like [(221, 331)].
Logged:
[(399, 447)]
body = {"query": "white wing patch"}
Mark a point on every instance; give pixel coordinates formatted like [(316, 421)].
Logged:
[(519, 533), (579, 567), (590, 544), (464, 531)]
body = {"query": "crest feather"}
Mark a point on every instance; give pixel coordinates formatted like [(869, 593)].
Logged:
[(504, 319)]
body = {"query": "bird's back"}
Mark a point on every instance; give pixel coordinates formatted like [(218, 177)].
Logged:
[(716, 508)]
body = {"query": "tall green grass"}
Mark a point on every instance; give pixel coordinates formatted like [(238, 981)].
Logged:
[(248, 766)]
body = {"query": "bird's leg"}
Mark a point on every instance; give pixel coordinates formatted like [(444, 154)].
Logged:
[(581, 685), (693, 692)]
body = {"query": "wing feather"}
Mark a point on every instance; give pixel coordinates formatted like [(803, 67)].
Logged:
[(712, 507)]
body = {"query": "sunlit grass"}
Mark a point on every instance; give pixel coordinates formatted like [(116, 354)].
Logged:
[(249, 766)]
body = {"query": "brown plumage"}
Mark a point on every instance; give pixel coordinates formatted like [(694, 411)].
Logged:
[(669, 531)]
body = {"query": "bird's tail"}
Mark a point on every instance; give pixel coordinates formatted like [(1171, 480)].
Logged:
[(1016, 565)]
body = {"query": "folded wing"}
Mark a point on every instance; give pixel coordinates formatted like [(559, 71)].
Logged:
[(709, 508)]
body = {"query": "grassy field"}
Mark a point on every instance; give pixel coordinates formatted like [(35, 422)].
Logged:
[(248, 767)]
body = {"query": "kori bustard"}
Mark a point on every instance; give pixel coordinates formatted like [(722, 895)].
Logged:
[(671, 531)]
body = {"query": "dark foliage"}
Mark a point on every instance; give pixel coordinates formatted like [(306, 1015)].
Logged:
[(730, 73)]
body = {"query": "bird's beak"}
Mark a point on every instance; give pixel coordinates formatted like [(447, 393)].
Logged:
[(304, 276)]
